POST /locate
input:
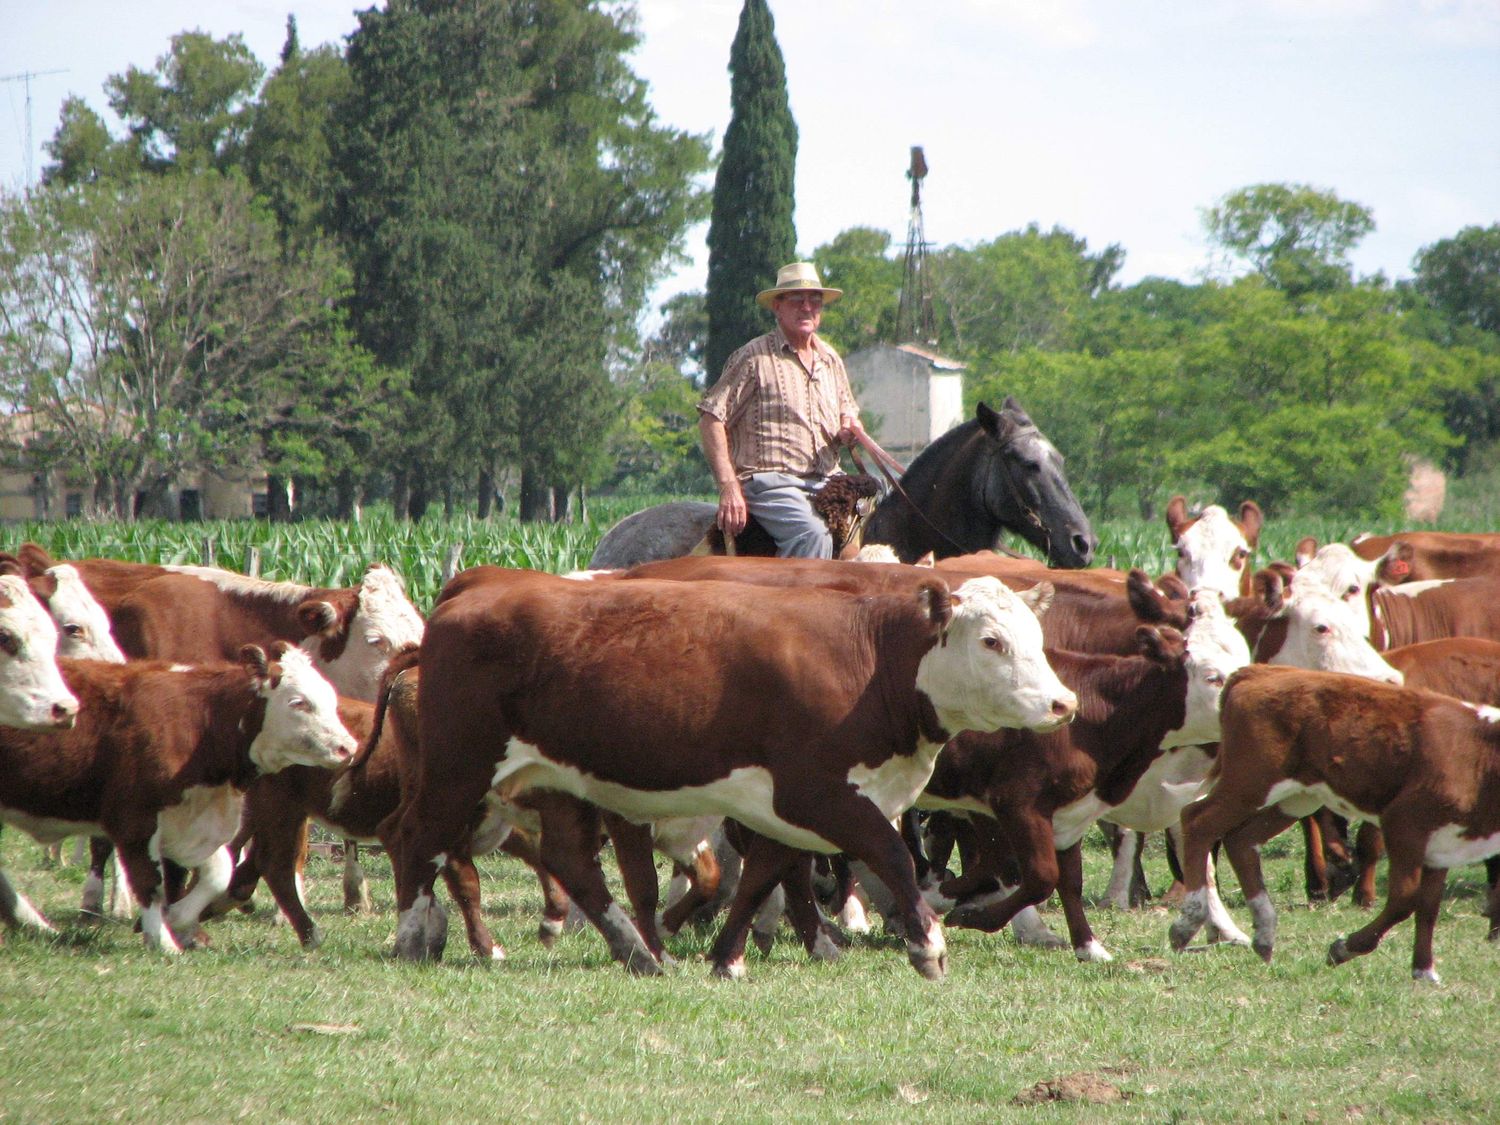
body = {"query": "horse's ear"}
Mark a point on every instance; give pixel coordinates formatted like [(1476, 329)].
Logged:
[(988, 419)]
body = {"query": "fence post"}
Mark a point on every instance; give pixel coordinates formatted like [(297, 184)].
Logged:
[(207, 551), (450, 561), (252, 562)]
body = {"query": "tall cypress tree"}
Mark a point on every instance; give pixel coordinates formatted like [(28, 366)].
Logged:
[(751, 233)]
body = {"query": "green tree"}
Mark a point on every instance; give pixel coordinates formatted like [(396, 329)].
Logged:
[(857, 261), (507, 197), (148, 326), (1025, 289), (1460, 277), (752, 233), (1295, 236)]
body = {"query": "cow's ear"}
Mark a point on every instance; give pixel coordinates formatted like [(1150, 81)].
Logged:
[(1144, 598), (1394, 566), (34, 558), (1158, 643), (254, 658), (1251, 521), (9, 564), (279, 649), (1177, 516), (1039, 597), (938, 602), (1269, 589), (328, 614), (1307, 547)]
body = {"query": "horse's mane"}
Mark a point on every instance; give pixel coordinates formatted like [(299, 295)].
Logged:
[(931, 461)]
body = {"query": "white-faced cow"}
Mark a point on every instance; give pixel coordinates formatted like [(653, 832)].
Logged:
[(158, 760), (1214, 549), (812, 716), (1425, 766)]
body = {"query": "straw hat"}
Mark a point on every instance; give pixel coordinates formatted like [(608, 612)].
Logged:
[(797, 278)]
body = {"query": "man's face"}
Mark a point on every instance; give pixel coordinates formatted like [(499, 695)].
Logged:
[(799, 313)]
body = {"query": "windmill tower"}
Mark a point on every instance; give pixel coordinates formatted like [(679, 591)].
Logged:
[(915, 322)]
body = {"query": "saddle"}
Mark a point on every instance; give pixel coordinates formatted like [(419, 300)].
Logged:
[(844, 503)]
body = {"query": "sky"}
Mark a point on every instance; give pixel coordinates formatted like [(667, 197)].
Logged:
[(1119, 120)]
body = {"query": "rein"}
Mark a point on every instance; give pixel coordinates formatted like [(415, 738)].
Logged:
[(887, 463)]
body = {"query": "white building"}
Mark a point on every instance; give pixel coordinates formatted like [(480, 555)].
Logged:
[(908, 395)]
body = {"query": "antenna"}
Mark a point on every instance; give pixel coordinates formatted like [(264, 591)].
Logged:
[(26, 76), (914, 317)]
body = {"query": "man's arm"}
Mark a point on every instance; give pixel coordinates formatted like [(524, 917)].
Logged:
[(715, 439)]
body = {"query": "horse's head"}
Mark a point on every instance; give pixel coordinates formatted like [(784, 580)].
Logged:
[(1026, 490)]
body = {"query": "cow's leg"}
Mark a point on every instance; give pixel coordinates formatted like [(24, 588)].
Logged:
[(147, 884), (462, 880), (1175, 892), (1314, 860), (278, 852), (357, 898), (1243, 848), (570, 850), (1429, 902), (1086, 947), (1204, 824), (555, 900), (93, 906), (1369, 848), (16, 911), (636, 856), (1337, 852), (765, 863), (1492, 907), (802, 906), (213, 881), (1404, 884), (703, 877), (1126, 879), (1031, 836)]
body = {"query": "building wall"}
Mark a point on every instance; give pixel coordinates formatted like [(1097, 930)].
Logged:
[(905, 400)]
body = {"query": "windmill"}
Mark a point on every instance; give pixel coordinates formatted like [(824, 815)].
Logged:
[(26, 77), (914, 318)]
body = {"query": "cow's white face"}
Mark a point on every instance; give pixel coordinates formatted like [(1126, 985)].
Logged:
[(1327, 634), (990, 671), (82, 625), (1340, 573), (32, 693), (1215, 650), (384, 621), (1212, 553), (301, 726)]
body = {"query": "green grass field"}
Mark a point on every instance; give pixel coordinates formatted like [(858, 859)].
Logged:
[(95, 1028)]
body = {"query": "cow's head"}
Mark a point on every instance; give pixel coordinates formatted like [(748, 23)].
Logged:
[(32, 693), (1327, 634), (301, 726), (1213, 551), (83, 628), (1215, 649), (351, 634), (989, 670), (1336, 570)]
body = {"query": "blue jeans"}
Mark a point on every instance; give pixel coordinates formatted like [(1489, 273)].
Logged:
[(782, 504)]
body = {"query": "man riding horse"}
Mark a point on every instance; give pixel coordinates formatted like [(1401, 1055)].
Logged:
[(772, 425)]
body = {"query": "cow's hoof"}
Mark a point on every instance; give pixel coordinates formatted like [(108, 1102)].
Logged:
[(1263, 949), (1428, 975), (496, 953), (932, 966), (1494, 934), (729, 970), (640, 963), (548, 931), (1092, 953), (763, 939), (1180, 934), (824, 948), (967, 917), (313, 939), (1338, 953)]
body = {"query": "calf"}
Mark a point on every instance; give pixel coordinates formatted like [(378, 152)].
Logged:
[(1418, 556), (1425, 766), (1214, 549), (810, 715), (158, 760), (1046, 790)]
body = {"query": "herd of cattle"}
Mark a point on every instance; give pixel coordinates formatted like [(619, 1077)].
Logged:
[(196, 720)]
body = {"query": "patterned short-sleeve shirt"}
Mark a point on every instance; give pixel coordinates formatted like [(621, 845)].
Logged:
[(780, 417)]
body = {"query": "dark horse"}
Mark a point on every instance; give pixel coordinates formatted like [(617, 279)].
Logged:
[(995, 471)]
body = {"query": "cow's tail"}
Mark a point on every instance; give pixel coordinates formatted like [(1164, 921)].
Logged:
[(403, 660)]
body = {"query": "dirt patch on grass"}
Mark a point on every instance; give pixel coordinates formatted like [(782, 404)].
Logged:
[(1089, 1087)]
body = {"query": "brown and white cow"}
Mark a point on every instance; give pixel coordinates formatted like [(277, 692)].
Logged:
[(811, 716), (1424, 765), (1141, 723), (158, 760), (1419, 556), (1214, 548), (83, 628)]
